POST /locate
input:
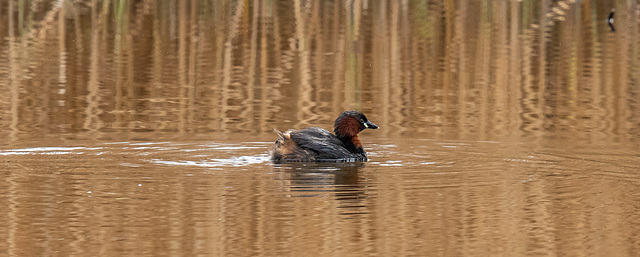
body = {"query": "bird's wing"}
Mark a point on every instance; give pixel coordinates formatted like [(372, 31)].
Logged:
[(326, 145)]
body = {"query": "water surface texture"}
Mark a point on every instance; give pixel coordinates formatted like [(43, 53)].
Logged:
[(143, 128)]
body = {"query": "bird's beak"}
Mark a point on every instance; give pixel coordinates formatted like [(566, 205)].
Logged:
[(370, 125)]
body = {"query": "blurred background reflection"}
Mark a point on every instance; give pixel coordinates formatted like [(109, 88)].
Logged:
[(142, 127)]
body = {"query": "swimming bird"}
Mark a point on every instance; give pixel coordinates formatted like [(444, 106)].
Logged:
[(319, 145), (610, 19)]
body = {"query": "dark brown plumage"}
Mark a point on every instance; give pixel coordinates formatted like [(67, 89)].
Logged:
[(319, 145)]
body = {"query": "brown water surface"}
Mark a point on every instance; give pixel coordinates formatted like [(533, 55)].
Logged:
[(143, 128)]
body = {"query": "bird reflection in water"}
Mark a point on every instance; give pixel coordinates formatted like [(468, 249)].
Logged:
[(341, 180)]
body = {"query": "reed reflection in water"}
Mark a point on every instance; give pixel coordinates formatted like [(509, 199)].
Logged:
[(142, 127), (474, 69)]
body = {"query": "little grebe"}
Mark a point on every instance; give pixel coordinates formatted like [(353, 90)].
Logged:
[(319, 145)]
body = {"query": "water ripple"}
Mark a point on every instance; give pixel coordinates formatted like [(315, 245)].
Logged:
[(232, 161)]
